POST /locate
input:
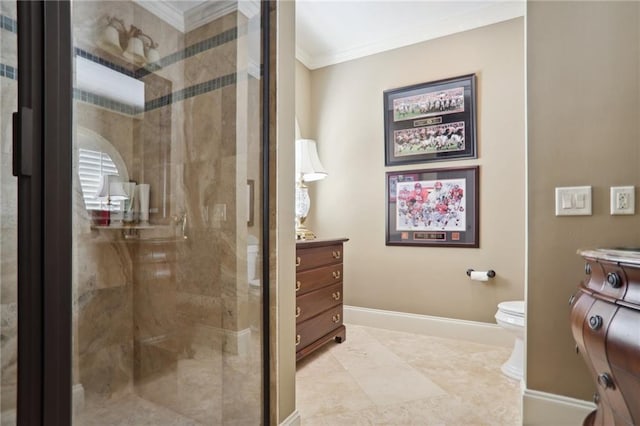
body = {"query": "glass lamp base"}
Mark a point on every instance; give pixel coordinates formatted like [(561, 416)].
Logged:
[(303, 203), (304, 233)]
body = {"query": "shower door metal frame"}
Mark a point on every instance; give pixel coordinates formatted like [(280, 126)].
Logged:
[(265, 48), (42, 163)]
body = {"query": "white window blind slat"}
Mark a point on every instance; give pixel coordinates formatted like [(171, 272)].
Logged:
[(92, 166)]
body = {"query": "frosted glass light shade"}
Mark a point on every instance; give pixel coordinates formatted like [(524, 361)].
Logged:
[(135, 51), (153, 55), (110, 40)]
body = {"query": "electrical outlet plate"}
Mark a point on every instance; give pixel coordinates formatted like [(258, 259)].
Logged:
[(573, 201), (623, 200)]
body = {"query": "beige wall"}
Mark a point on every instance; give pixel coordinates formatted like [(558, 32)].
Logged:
[(583, 110), (347, 110), (303, 99)]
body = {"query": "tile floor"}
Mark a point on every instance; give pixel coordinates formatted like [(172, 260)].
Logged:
[(383, 377)]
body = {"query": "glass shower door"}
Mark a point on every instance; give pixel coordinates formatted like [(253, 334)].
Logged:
[(167, 298), (8, 215)]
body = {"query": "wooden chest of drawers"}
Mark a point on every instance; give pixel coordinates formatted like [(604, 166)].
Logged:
[(319, 277), (605, 322)]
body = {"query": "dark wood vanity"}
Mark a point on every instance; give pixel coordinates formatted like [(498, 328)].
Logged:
[(319, 277), (605, 322)]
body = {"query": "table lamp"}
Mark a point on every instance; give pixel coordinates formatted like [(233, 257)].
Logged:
[(112, 189), (308, 169)]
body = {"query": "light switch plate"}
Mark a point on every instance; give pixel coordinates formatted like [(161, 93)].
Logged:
[(573, 201), (623, 200)]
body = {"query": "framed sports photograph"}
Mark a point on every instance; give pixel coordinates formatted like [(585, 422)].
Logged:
[(435, 207), (432, 121)]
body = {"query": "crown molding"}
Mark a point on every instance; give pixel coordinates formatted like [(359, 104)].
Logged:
[(489, 15), (199, 15), (207, 12), (303, 56), (249, 8), (165, 11)]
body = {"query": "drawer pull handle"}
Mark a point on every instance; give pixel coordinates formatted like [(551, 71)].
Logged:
[(298, 285), (587, 269), (614, 279), (298, 311), (297, 339), (605, 380), (336, 275), (336, 318), (298, 261), (336, 254), (336, 295), (595, 322)]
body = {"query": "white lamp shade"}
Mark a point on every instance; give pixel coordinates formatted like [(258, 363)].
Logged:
[(103, 190), (111, 187), (308, 164), (117, 192)]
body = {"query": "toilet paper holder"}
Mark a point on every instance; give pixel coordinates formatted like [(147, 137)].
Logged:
[(490, 273)]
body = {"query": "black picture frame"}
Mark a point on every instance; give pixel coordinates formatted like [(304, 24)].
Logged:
[(432, 121), (433, 207)]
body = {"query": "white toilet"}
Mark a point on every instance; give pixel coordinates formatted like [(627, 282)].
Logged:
[(510, 316)]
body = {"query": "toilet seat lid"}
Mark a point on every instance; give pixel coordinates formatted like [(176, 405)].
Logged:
[(513, 307)]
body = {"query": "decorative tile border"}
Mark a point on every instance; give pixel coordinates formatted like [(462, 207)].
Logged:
[(98, 60), (189, 92), (8, 71), (180, 95), (194, 49), (104, 102), (8, 24), (199, 47)]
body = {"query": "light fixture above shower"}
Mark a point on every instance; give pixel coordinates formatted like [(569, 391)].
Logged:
[(130, 43)]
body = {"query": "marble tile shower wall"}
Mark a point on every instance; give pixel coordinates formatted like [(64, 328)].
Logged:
[(103, 317), (111, 272), (8, 212), (185, 302), (143, 306)]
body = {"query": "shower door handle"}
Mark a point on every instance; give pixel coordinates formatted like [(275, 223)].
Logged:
[(23, 142)]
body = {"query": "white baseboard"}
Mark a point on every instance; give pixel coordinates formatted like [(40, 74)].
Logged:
[(544, 409), (292, 420), (237, 342), (233, 342), (473, 331)]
